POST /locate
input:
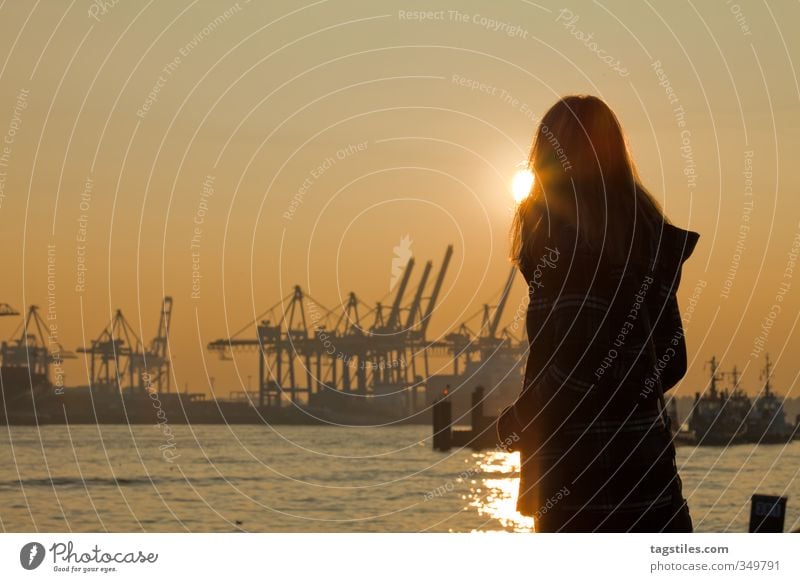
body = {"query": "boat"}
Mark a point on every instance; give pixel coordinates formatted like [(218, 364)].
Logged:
[(719, 417), (766, 423)]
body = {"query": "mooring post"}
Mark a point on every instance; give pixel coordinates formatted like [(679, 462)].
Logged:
[(442, 425), (478, 420), (482, 436)]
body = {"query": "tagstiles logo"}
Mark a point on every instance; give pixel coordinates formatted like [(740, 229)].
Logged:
[(31, 555), (402, 254)]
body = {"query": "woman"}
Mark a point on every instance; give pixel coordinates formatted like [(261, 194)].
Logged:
[(602, 264)]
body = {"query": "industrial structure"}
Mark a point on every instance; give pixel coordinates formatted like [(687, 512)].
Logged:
[(355, 356), (355, 363), (351, 364), (313, 355), (118, 359), (27, 359)]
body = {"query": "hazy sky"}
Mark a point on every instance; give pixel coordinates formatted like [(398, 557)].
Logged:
[(298, 143)]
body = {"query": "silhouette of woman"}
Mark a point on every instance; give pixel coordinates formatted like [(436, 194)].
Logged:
[(602, 264)]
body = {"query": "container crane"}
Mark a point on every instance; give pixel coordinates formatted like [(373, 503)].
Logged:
[(28, 358), (115, 355), (156, 360), (348, 357)]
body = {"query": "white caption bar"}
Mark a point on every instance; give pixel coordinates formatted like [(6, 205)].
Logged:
[(402, 557)]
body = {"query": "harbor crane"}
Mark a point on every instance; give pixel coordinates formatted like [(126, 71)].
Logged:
[(306, 349), (32, 353), (117, 357)]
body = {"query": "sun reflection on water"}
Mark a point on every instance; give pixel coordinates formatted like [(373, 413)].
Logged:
[(494, 488)]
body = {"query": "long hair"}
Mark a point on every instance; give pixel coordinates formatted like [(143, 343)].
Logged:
[(584, 176)]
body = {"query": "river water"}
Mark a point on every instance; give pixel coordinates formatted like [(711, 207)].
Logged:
[(317, 479)]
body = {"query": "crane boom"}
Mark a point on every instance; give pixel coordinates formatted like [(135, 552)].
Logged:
[(418, 295), (6, 310), (394, 314), (436, 288), (501, 305)]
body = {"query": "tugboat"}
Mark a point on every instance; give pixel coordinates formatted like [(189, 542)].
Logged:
[(766, 423), (719, 418)]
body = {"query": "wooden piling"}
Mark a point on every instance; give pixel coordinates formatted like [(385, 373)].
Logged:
[(442, 425), (483, 436)]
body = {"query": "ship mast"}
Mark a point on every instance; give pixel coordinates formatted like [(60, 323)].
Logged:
[(766, 375), (735, 378), (714, 376)]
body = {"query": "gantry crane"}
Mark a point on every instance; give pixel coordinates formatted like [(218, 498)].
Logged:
[(311, 350), (29, 357), (157, 360), (114, 356), (118, 358), (467, 347)]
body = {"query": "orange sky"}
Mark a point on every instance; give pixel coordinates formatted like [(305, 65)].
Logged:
[(262, 146)]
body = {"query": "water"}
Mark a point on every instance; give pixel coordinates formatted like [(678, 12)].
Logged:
[(288, 479)]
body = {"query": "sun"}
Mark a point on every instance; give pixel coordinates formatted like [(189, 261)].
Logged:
[(521, 185)]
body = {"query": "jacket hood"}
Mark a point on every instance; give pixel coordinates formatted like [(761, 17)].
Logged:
[(673, 247), (669, 249)]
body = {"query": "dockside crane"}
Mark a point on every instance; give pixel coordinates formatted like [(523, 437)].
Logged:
[(467, 348), (393, 323), (501, 305), (348, 356), (27, 359), (437, 288), (416, 304), (156, 360), (115, 355)]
